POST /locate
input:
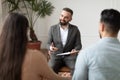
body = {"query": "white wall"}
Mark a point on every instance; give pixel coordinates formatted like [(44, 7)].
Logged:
[(86, 17)]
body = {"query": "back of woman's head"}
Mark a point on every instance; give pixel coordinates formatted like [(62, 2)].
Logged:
[(15, 26), (13, 41)]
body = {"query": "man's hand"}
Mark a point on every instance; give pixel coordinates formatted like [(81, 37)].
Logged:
[(53, 48), (74, 51)]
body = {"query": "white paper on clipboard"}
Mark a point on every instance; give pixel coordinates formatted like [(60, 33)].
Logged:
[(66, 53)]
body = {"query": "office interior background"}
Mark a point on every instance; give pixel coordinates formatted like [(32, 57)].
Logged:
[(86, 16)]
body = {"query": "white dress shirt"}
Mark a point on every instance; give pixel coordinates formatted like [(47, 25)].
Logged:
[(64, 34)]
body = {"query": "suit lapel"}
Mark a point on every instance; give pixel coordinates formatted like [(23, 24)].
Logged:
[(58, 34)]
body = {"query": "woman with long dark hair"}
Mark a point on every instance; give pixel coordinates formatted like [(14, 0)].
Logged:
[(16, 61)]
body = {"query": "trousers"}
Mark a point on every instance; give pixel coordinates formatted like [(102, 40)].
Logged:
[(57, 62)]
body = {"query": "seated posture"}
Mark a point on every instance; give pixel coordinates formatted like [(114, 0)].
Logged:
[(16, 61), (102, 60), (64, 37)]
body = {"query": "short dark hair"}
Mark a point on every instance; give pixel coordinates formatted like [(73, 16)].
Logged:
[(68, 10), (111, 18)]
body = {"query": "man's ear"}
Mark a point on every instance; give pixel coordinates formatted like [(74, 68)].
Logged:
[(70, 19), (102, 27)]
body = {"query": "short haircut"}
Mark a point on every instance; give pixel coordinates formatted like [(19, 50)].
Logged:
[(111, 18), (68, 10)]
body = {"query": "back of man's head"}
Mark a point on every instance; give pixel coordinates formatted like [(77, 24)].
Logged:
[(111, 18)]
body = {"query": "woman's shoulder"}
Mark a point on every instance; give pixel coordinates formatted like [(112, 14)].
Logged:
[(35, 54), (34, 58), (31, 51), (32, 64)]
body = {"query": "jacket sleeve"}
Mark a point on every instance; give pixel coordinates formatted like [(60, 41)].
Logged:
[(50, 38), (81, 68), (78, 44)]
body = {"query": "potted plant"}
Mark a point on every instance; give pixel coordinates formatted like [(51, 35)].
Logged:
[(33, 9)]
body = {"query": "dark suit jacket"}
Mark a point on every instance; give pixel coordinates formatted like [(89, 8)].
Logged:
[(73, 39)]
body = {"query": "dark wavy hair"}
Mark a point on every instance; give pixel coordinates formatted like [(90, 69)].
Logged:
[(13, 41), (111, 18)]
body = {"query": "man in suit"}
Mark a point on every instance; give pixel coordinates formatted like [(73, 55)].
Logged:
[(64, 37)]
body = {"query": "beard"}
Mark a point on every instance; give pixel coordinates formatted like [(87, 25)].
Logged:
[(63, 23)]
